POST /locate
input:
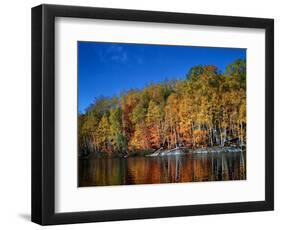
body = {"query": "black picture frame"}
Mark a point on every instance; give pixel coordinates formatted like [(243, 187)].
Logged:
[(43, 110)]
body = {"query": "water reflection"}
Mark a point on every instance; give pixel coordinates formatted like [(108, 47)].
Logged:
[(165, 169)]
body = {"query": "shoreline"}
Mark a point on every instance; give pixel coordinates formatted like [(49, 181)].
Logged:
[(168, 152)]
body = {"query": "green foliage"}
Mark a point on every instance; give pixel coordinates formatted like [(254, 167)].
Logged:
[(237, 74), (197, 71)]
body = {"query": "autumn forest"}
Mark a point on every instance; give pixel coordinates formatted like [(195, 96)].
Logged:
[(205, 108)]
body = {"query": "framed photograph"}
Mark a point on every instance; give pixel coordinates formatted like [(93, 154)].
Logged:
[(141, 114)]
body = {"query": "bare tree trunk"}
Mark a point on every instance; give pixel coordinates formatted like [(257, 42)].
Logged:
[(193, 140), (222, 143), (241, 133), (211, 137)]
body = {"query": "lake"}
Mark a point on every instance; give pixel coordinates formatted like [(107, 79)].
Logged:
[(197, 167)]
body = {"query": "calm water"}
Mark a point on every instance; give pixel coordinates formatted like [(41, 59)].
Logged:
[(165, 169)]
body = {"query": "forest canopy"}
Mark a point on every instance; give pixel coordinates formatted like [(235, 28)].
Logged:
[(207, 108)]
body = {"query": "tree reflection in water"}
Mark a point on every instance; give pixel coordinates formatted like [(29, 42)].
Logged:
[(166, 169)]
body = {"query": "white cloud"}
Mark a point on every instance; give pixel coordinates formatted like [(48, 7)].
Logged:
[(115, 53)]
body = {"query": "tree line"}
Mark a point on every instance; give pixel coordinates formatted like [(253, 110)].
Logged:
[(207, 108)]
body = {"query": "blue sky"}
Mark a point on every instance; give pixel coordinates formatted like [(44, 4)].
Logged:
[(107, 69)]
